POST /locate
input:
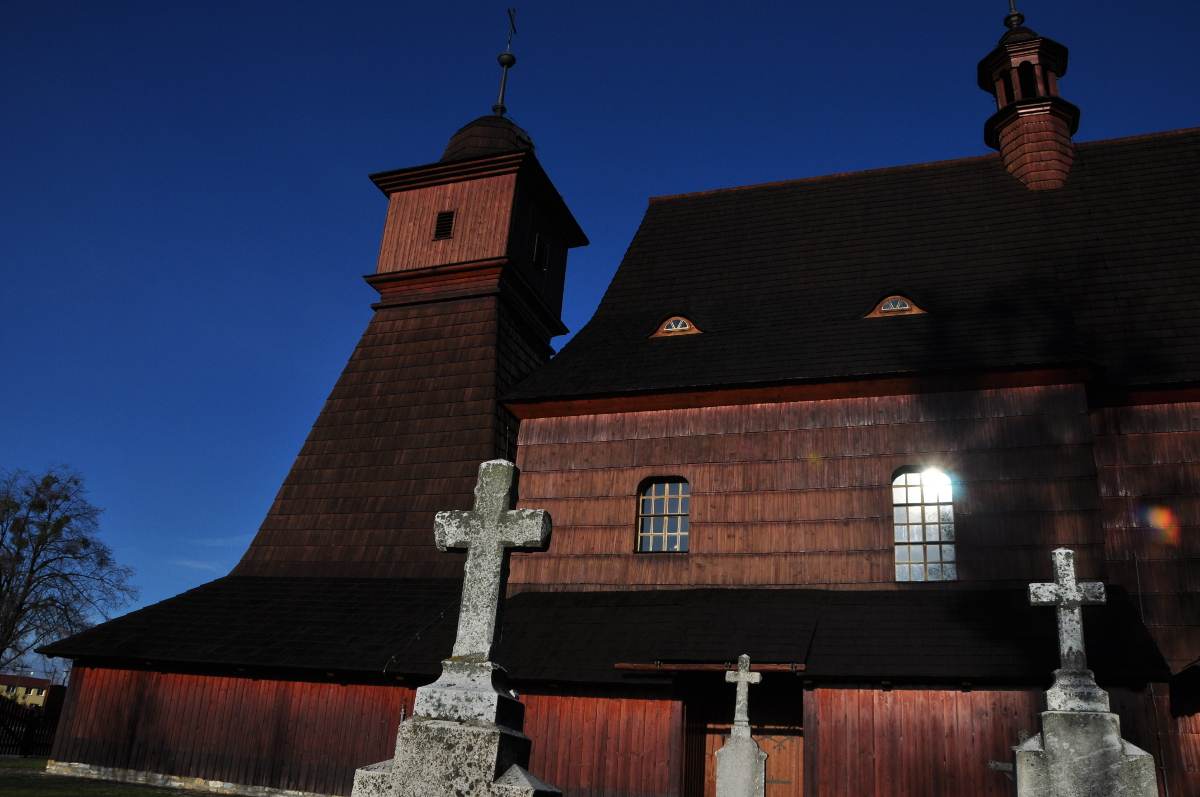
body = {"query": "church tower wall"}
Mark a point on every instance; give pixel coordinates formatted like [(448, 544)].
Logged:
[(470, 278)]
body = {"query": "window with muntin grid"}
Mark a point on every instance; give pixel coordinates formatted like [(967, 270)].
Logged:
[(923, 518), (663, 507)]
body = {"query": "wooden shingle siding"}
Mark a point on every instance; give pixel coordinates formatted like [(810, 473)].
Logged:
[(283, 734), (799, 493), (1148, 457), (400, 438)]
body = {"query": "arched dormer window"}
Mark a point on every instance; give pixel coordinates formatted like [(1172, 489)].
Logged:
[(676, 325), (664, 505), (895, 304), (923, 522)]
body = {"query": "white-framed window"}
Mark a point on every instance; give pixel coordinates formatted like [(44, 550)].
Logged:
[(664, 507), (923, 524)]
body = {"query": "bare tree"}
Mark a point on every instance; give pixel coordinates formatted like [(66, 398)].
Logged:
[(56, 575)]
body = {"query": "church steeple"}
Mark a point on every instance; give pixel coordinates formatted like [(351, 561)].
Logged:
[(1033, 125)]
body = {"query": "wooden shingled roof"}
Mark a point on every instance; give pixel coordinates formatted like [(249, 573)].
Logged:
[(1104, 273), (389, 627)]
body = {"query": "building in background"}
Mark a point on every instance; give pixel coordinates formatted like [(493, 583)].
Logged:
[(24, 690), (836, 423)]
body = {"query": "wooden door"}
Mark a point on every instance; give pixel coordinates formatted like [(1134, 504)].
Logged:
[(785, 759)]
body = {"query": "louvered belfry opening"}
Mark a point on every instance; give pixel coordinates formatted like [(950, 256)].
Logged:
[(443, 227)]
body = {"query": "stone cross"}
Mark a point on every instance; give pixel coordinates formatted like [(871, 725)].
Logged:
[(1068, 596), (741, 710), (487, 532)]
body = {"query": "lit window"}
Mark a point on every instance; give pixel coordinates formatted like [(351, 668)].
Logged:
[(676, 325), (663, 506), (923, 517), (895, 305)]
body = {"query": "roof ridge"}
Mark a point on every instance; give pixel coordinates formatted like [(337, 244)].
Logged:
[(907, 167)]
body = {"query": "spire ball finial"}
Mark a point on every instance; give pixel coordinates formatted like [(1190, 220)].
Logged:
[(507, 61), (1015, 18)]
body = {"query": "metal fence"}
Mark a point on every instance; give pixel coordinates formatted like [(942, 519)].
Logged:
[(26, 730)]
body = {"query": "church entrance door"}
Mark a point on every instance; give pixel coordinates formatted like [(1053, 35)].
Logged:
[(784, 747)]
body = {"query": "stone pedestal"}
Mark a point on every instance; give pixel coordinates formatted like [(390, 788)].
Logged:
[(464, 738), (741, 768), (1082, 754)]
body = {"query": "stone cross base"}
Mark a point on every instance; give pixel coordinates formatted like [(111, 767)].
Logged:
[(464, 738), (1076, 690), (1082, 754), (741, 768), (446, 758)]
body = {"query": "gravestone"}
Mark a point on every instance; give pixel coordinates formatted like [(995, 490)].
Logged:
[(741, 764), (464, 737), (1079, 752)]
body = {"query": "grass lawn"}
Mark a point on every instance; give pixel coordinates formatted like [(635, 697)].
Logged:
[(23, 777)]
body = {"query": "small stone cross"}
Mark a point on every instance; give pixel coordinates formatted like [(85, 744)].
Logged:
[(1068, 596), (741, 710), (487, 532)]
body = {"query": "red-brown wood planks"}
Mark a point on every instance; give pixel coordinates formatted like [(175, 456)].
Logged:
[(483, 211), (286, 734), (591, 746)]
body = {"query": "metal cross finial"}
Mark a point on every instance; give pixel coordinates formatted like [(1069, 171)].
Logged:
[(1068, 595), (741, 709), (507, 61), (487, 532)]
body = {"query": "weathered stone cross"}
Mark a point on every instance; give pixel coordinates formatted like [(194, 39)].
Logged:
[(487, 532), (741, 710), (1068, 596)]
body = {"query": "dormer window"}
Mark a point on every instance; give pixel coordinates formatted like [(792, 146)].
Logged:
[(895, 305), (676, 325)]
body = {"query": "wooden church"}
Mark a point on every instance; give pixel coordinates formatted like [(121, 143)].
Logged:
[(837, 424)]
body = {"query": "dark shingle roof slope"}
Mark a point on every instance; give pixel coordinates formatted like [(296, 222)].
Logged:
[(1104, 272), (406, 626)]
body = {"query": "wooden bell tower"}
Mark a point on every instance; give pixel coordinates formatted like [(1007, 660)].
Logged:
[(470, 279)]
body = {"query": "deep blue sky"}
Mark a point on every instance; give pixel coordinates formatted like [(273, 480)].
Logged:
[(186, 216)]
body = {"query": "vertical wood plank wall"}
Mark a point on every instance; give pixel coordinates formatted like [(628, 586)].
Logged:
[(913, 743), (312, 736), (606, 747), (284, 734), (1174, 741), (798, 493), (936, 743), (483, 213), (1148, 459)]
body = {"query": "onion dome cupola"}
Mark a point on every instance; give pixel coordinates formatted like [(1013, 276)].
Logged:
[(1033, 125), (488, 135)]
